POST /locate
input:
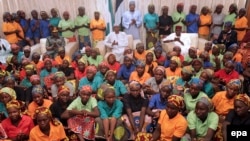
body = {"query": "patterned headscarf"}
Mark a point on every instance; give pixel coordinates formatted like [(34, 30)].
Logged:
[(46, 111), (177, 60), (235, 83), (104, 64), (63, 89), (109, 71), (196, 81), (140, 63), (177, 100), (86, 88), (187, 70), (82, 60), (29, 67), (37, 90), (34, 78), (102, 88), (14, 103), (8, 91), (152, 52), (207, 102), (160, 68), (92, 69), (59, 74), (243, 98)]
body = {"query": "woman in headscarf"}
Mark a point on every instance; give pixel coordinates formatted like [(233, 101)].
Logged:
[(109, 125), (140, 53), (61, 56), (165, 22), (197, 64), (183, 81), (17, 126), (193, 94), (152, 85), (151, 21), (207, 76), (35, 27), (55, 19), (202, 121), (67, 70), (95, 57), (61, 104), (75, 57), (192, 54), (126, 69), (139, 74), (205, 22), (159, 55), (60, 80), (113, 64), (13, 67), (47, 127), (47, 72), (44, 24), (103, 68), (224, 101), (135, 105), (81, 118), (37, 62), (171, 124), (91, 79), (240, 115), (173, 72), (67, 27), (241, 25), (157, 103), (34, 80), (38, 100), (150, 62), (217, 18), (6, 94), (80, 70), (29, 70), (119, 87), (232, 15)]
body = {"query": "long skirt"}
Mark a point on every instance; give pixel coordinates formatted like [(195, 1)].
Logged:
[(83, 125), (136, 116), (120, 133)]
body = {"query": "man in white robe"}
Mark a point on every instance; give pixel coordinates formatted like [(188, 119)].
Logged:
[(117, 41), (179, 39), (5, 50), (131, 21)]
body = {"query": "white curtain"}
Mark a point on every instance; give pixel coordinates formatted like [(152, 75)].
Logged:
[(99, 5)]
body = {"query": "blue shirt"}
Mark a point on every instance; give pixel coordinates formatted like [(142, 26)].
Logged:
[(20, 56), (151, 20), (114, 111), (120, 88), (44, 28), (156, 102), (24, 23), (166, 63), (95, 83), (193, 28), (99, 74), (36, 33), (3, 109), (125, 72)]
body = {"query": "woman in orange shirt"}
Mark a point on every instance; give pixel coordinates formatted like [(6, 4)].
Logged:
[(47, 128), (205, 23), (61, 56), (140, 53), (241, 24), (151, 64), (139, 74), (173, 72)]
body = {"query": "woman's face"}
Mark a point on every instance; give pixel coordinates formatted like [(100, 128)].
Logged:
[(81, 11), (97, 15), (14, 113), (90, 75), (240, 108), (10, 84), (229, 68), (231, 91), (204, 77), (151, 10), (110, 77), (218, 9), (140, 49), (81, 66), (158, 75), (36, 58), (173, 65), (66, 16), (197, 66), (201, 110), (84, 96), (53, 13), (192, 53), (165, 92), (177, 50), (110, 98), (165, 11), (43, 121), (231, 9), (172, 110), (48, 65), (194, 90), (34, 14), (61, 54), (111, 59), (44, 16), (127, 62), (59, 81), (14, 60), (104, 69), (8, 17), (205, 11), (149, 57), (135, 91), (64, 97), (35, 82), (88, 52), (26, 53), (38, 99), (158, 54), (140, 69), (185, 76), (93, 53), (65, 64), (5, 98)]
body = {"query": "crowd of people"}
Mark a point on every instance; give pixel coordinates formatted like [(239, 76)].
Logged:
[(141, 94)]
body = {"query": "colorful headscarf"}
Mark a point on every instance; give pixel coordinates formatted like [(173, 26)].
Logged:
[(177, 100), (14, 103), (207, 102), (152, 52), (102, 88), (235, 83), (86, 88), (160, 68), (104, 64), (209, 72), (8, 91), (62, 89), (29, 67), (48, 59), (46, 111), (34, 78), (166, 83), (177, 60), (37, 90), (243, 98), (59, 74), (197, 82), (3, 73), (109, 71), (92, 69), (140, 63), (187, 70), (82, 60)]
